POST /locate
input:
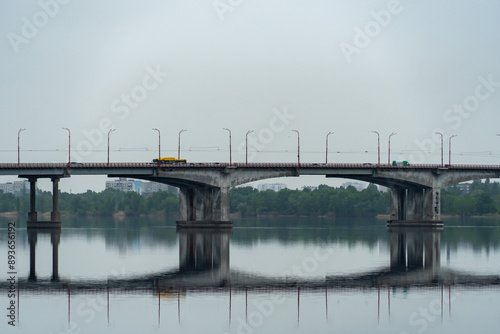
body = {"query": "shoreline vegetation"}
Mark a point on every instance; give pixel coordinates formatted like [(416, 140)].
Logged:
[(482, 200)]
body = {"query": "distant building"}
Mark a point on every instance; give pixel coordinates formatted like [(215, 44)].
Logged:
[(464, 188), (140, 187), (271, 186), (358, 185), (149, 188), (17, 188), (122, 184)]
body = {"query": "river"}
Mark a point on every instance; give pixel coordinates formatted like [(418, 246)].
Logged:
[(267, 275)]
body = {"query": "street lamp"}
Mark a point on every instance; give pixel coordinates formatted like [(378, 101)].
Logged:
[(246, 146), (230, 155), (449, 151), (69, 145), (439, 133), (298, 147), (378, 146), (159, 144), (179, 146), (389, 152), (326, 158), (110, 130), (18, 146)]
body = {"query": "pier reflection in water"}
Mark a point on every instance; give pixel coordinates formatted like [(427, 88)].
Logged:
[(55, 238), (415, 248)]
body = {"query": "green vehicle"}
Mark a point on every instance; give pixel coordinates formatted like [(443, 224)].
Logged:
[(400, 163)]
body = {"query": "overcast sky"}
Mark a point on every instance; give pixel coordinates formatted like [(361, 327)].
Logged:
[(271, 66)]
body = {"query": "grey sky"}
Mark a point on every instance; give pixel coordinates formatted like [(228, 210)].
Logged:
[(238, 64)]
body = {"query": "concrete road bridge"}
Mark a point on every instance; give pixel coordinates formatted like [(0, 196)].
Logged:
[(204, 187)]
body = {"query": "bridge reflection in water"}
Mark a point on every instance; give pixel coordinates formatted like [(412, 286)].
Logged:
[(204, 265)]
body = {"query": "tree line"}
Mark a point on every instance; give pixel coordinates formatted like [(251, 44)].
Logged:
[(483, 198)]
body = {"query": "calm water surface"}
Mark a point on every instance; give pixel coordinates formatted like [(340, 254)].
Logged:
[(273, 275)]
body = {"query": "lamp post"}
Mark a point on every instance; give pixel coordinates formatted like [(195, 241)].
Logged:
[(69, 145), (389, 151), (110, 130), (159, 144), (326, 158), (246, 146), (439, 133), (179, 146), (298, 147), (230, 154), (18, 146), (378, 146), (449, 150)]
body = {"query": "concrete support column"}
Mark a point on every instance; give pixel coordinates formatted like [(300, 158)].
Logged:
[(428, 204), (32, 238), (224, 204), (32, 215), (55, 238), (411, 204), (204, 206), (436, 203), (186, 204), (55, 216), (414, 210), (398, 204)]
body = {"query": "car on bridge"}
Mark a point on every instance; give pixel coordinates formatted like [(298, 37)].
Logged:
[(400, 163), (169, 160)]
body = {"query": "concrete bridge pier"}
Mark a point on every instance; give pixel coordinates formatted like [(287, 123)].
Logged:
[(32, 214), (204, 206), (415, 207), (55, 216)]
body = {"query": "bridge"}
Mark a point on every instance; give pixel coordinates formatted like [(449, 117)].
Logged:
[(204, 187)]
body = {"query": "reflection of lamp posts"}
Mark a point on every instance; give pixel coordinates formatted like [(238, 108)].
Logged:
[(449, 151), (378, 146), (389, 152), (18, 146), (110, 130), (230, 156), (326, 158), (179, 147), (69, 145), (246, 146), (439, 133), (159, 144), (298, 147)]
